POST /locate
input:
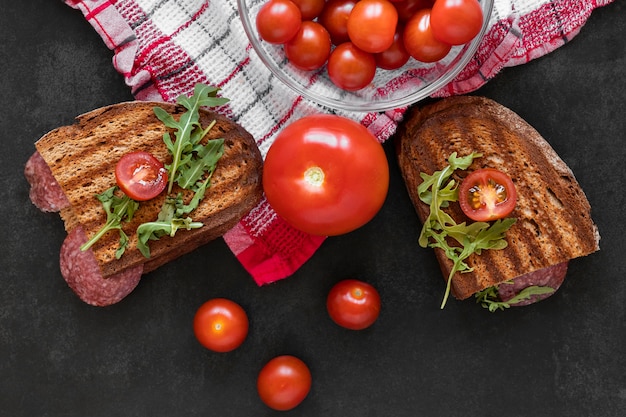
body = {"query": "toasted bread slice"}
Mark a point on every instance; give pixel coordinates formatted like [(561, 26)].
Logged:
[(82, 158), (553, 215)]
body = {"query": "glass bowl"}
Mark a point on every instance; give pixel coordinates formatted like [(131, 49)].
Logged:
[(390, 89)]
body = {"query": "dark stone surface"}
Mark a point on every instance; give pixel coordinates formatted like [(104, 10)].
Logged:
[(562, 357)]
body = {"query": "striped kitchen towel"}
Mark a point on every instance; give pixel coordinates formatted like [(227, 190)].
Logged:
[(164, 47)]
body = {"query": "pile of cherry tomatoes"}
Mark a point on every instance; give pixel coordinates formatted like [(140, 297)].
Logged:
[(221, 325), (354, 37)]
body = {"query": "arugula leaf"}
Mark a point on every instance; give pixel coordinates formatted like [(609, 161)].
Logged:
[(118, 209), (169, 220), (189, 132), (488, 298), (438, 190)]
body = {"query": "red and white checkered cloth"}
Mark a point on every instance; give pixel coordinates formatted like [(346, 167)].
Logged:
[(164, 47)]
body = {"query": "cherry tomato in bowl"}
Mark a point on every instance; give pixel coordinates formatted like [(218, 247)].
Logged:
[(456, 21), (487, 194), (353, 304), (326, 175), (140, 175), (220, 325), (284, 382)]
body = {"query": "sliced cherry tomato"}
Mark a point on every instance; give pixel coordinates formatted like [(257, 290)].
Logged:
[(396, 55), (278, 21), (309, 9), (456, 21), (140, 175), (309, 49), (419, 40), (220, 325), (487, 194), (372, 24), (334, 18), (326, 175), (353, 304), (350, 68), (284, 382)]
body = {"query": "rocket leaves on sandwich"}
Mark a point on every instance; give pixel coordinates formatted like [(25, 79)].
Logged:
[(118, 210), (194, 161), (173, 216), (488, 298), (188, 155), (457, 240)]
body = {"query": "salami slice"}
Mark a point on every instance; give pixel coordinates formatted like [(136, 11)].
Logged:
[(552, 276), (45, 192), (82, 273)]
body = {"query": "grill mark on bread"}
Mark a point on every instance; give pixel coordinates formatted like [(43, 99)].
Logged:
[(82, 158), (554, 222)]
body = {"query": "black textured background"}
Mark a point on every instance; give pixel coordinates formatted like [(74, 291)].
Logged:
[(562, 357)]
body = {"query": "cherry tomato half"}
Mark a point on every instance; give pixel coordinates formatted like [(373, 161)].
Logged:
[(487, 194), (372, 24), (220, 325), (284, 382), (419, 40), (278, 21), (456, 21), (326, 175), (140, 175), (353, 304)]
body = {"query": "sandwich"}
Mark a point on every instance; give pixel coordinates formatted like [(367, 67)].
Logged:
[(512, 261), (73, 172)]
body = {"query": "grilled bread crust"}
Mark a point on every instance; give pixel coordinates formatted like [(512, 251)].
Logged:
[(553, 215), (82, 158)]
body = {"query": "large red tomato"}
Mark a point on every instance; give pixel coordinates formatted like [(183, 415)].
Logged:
[(284, 382), (326, 175), (220, 325)]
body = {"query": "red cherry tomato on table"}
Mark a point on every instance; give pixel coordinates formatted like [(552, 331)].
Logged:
[(419, 40), (220, 325), (456, 21), (350, 68), (372, 24), (487, 194), (278, 21), (309, 49), (140, 175), (353, 304), (334, 18), (284, 382), (326, 175)]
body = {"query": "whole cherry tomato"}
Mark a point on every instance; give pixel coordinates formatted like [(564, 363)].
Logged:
[(140, 175), (326, 175), (456, 21), (220, 325), (419, 40), (334, 18), (407, 8), (353, 304), (396, 55), (309, 49), (350, 68), (310, 9), (284, 382), (487, 194), (372, 24), (278, 21)]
